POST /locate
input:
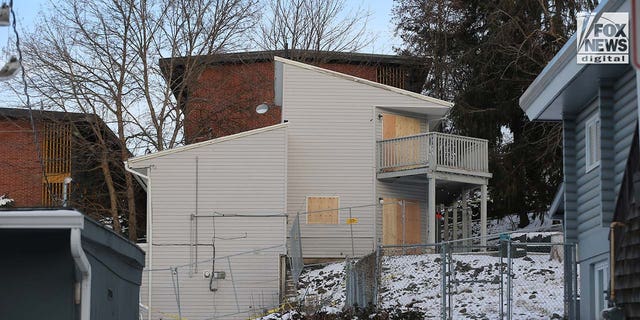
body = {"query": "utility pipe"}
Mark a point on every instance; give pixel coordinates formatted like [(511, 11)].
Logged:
[(65, 191), (612, 283), (85, 269)]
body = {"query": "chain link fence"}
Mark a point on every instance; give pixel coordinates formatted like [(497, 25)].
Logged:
[(461, 280)]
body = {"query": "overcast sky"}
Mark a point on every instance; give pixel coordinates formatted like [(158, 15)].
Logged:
[(379, 21)]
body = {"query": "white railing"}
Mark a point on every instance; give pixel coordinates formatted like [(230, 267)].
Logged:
[(438, 151)]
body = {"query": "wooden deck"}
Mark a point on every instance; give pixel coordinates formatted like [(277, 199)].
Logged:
[(433, 152)]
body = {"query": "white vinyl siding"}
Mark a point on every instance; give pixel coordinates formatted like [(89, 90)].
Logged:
[(241, 178), (592, 136), (331, 151)]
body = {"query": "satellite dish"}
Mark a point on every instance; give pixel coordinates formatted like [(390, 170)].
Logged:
[(262, 108)]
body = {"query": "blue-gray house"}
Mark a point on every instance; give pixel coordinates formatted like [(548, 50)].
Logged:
[(60, 264), (598, 107)]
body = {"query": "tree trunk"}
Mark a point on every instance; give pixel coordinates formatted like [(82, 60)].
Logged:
[(113, 195), (131, 202), (524, 219)]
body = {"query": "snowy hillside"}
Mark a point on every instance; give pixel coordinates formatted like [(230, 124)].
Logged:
[(413, 281)]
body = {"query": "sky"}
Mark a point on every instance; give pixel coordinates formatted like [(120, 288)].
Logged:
[(379, 23)]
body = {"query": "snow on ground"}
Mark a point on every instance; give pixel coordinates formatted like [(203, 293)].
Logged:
[(324, 285), (5, 201), (510, 223), (413, 281)]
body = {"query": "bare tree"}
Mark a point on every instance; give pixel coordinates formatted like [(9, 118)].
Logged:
[(101, 57), (312, 25)]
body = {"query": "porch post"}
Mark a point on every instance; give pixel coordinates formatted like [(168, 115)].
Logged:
[(483, 214), (431, 211), (445, 223), (455, 222), (465, 218)]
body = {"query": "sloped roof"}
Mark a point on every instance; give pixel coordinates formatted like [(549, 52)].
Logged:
[(414, 95), (204, 143)]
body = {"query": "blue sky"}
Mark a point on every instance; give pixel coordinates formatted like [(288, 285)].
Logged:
[(379, 22)]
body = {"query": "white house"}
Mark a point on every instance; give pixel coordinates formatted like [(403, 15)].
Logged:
[(344, 145)]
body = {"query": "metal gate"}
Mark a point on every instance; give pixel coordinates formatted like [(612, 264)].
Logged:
[(495, 281)]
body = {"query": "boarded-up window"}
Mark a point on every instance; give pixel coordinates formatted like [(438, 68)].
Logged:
[(401, 222), (395, 126), (322, 210), (56, 156)]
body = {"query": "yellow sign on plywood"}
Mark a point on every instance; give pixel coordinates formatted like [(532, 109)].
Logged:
[(352, 220)]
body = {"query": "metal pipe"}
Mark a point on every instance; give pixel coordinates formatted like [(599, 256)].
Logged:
[(126, 167), (612, 275), (353, 250), (65, 189), (83, 265), (443, 282), (509, 284), (195, 267)]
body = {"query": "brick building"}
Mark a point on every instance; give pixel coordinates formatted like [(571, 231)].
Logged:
[(222, 97), (67, 143)]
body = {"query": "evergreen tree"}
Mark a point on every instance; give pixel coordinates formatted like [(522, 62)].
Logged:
[(482, 55)]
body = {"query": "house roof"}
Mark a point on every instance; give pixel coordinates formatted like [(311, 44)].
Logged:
[(438, 102), (41, 219), (173, 68), (202, 144), (303, 55), (72, 117), (24, 113), (562, 84), (67, 218)]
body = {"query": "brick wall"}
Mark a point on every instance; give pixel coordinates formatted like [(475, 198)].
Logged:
[(225, 98), (20, 170)]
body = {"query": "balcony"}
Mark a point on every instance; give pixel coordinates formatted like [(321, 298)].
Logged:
[(433, 152)]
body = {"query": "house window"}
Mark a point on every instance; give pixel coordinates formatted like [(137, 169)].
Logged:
[(592, 142), (323, 210), (600, 286)]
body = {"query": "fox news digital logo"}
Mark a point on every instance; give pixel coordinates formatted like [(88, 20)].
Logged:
[(605, 40)]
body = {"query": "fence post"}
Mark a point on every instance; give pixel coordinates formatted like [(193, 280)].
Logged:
[(353, 250), (501, 251), (443, 282), (509, 283), (377, 274)]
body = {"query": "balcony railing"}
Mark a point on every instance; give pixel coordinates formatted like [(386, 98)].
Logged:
[(437, 151)]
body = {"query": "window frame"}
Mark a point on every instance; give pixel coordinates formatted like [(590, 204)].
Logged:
[(599, 288), (321, 196), (590, 154)]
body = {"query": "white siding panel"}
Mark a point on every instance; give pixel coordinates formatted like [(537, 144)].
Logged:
[(331, 152), (243, 176), (252, 277)]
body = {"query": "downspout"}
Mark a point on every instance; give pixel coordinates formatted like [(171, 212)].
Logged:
[(85, 269), (149, 252)]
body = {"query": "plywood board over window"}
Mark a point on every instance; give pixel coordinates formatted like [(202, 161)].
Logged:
[(396, 126), (406, 152), (323, 210), (400, 227)]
